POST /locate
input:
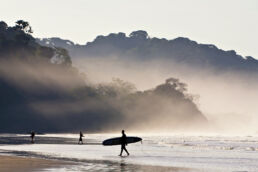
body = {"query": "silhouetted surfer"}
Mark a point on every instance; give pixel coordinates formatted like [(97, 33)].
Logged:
[(32, 135), (80, 139), (123, 143)]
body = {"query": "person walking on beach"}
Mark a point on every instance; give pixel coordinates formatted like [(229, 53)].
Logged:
[(80, 139), (123, 143), (32, 135)]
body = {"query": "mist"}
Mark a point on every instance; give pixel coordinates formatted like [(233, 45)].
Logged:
[(227, 99), (54, 98)]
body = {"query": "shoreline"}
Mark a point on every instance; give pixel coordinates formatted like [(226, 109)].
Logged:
[(14, 163)]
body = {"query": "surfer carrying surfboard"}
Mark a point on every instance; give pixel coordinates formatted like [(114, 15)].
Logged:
[(123, 143)]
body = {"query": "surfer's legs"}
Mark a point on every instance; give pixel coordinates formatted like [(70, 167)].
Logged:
[(126, 151), (80, 141), (121, 150)]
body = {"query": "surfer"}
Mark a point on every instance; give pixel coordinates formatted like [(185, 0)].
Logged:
[(123, 143), (32, 135), (80, 139)]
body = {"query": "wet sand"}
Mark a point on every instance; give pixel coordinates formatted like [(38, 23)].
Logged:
[(25, 164), (145, 168)]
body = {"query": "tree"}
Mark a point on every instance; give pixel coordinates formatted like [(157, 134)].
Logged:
[(172, 88), (177, 84), (3, 25), (24, 26), (140, 34), (61, 57)]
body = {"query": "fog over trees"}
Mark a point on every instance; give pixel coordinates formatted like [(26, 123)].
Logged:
[(41, 90), (225, 81)]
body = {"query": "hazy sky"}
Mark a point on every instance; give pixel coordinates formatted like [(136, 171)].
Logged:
[(229, 24)]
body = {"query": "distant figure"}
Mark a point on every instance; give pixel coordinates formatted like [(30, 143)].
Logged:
[(32, 135), (80, 139), (123, 143)]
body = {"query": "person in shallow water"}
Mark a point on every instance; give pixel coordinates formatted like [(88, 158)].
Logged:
[(32, 135), (123, 143), (80, 139)]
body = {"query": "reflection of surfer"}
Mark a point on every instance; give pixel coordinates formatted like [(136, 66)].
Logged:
[(80, 139), (123, 143), (32, 135)]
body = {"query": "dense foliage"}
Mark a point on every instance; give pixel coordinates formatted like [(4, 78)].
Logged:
[(140, 46)]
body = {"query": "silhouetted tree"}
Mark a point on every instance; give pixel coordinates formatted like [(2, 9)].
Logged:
[(171, 88), (140, 34), (3, 25), (24, 26)]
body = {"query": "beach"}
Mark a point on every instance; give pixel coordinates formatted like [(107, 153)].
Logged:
[(172, 153)]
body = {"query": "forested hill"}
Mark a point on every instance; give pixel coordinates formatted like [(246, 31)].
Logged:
[(41, 91), (139, 45)]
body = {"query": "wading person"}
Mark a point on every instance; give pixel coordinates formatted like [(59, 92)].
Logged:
[(32, 135), (80, 139), (123, 143)]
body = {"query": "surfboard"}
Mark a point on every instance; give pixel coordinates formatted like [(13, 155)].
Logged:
[(117, 141)]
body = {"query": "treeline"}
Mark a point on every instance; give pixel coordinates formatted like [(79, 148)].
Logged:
[(140, 46)]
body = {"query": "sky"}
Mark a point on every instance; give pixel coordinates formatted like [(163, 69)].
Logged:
[(228, 24)]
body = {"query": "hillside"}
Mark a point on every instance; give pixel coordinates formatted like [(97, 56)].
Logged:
[(139, 46), (42, 91)]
